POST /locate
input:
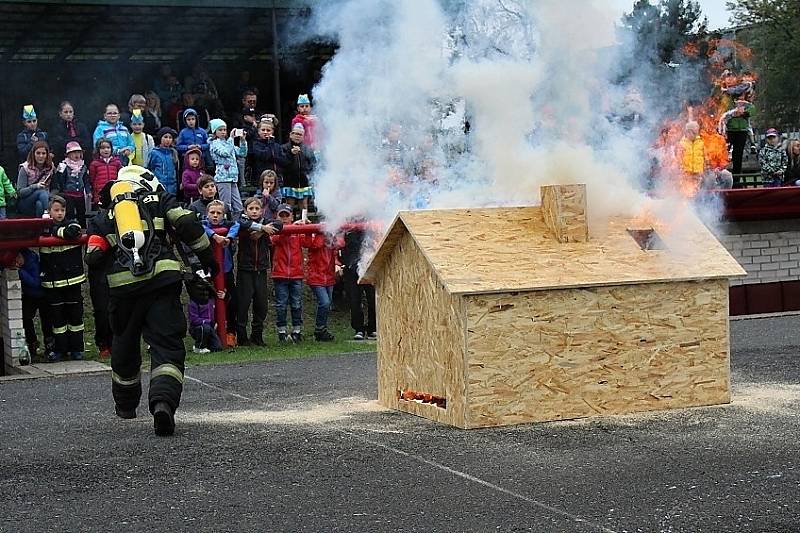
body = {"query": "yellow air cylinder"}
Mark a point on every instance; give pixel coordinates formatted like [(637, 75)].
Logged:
[(126, 214)]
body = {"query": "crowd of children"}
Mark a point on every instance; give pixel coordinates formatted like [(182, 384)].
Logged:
[(205, 165)]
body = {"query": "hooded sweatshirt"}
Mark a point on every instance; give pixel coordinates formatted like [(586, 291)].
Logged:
[(190, 176), (30, 274), (201, 313), (189, 136)]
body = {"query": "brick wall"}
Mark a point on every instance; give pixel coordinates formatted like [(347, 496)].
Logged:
[(11, 316), (768, 249)]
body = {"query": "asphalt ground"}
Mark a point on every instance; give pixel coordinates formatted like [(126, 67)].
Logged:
[(299, 445)]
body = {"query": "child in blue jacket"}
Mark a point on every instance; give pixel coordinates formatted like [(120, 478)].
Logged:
[(33, 300), (215, 218), (192, 136), (224, 152), (115, 131), (163, 160)]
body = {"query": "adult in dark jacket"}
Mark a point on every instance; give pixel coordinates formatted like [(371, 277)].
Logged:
[(249, 104), (67, 129), (267, 153), (350, 256)]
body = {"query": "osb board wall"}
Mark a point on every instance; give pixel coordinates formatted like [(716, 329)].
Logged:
[(421, 337), (564, 212), (510, 249), (561, 354)]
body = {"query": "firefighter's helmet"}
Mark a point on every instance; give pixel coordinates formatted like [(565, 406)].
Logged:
[(140, 177)]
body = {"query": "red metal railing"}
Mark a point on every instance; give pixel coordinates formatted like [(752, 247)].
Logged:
[(220, 311), (19, 233)]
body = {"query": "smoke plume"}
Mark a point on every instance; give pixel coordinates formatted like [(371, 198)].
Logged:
[(530, 82)]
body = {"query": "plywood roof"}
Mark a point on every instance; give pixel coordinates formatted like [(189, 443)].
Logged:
[(510, 249)]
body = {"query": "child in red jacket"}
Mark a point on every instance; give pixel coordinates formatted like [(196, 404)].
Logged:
[(321, 277), (103, 168), (287, 276)]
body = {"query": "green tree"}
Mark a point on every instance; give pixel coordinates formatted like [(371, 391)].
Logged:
[(771, 28), (665, 52), (661, 31)]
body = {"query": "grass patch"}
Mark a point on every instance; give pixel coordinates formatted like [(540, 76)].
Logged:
[(338, 323)]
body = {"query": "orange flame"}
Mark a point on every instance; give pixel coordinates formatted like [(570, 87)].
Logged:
[(722, 53)]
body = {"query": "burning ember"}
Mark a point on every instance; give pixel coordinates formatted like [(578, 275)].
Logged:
[(423, 397)]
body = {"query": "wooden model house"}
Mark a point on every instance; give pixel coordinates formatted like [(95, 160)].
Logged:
[(498, 316)]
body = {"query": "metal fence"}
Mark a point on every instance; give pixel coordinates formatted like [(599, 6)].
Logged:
[(788, 133)]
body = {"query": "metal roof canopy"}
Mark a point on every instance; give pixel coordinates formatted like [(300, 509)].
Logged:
[(260, 4), (94, 30)]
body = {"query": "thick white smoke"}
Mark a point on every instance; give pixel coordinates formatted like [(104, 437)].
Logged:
[(531, 77)]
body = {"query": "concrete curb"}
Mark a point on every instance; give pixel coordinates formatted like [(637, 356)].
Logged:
[(50, 370)]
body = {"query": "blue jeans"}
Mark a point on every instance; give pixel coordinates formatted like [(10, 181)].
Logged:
[(288, 291), (34, 204), (324, 295), (205, 336)]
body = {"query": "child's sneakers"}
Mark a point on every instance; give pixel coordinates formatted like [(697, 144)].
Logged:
[(283, 337), (195, 349), (297, 337), (359, 336), (373, 335), (76, 356), (54, 357), (323, 335)]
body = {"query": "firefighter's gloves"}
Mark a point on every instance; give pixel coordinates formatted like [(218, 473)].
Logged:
[(199, 288), (72, 231), (206, 258)]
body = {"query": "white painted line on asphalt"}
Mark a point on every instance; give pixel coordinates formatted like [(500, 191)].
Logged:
[(434, 464), (210, 386), (479, 481)]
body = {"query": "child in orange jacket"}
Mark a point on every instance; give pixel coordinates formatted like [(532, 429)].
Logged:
[(321, 277), (287, 276)]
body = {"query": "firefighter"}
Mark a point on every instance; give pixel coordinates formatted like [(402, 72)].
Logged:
[(135, 237), (62, 275)]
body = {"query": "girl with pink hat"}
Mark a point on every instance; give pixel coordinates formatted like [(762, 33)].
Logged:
[(72, 182)]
